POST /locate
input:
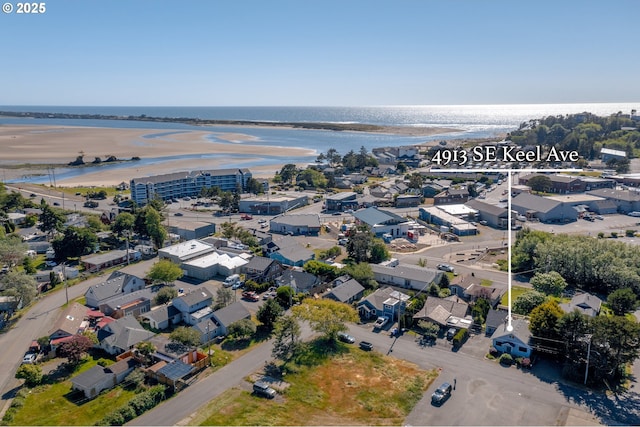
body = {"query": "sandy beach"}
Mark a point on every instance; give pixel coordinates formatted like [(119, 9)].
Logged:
[(27, 150)]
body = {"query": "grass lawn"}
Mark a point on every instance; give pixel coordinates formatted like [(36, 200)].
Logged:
[(51, 404), (486, 282), (347, 387), (516, 291)]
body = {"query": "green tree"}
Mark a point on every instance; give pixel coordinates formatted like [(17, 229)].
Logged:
[(12, 250), (123, 224), (287, 338), (543, 321), (28, 265), (186, 336), (165, 271), (550, 283), (20, 285), (524, 303), (284, 296), (242, 329), (75, 348), (622, 301), (321, 269), (254, 186), (50, 220), (480, 310), (224, 297), (617, 339), (155, 229), (288, 172), (401, 167), (270, 312), (326, 316), (145, 349), (165, 295), (74, 243), (540, 183), (228, 229), (361, 272), (313, 178), (31, 374), (429, 329)]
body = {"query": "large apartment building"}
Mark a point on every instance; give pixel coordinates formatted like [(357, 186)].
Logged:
[(187, 184)]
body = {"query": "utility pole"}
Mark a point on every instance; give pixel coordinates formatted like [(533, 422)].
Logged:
[(64, 277), (586, 372)]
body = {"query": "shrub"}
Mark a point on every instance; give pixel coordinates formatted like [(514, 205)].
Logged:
[(104, 362), (460, 337), (506, 359), (630, 233), (614, 235), (601, 235)]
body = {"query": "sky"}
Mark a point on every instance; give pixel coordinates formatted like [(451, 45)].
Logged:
[(320, 53)]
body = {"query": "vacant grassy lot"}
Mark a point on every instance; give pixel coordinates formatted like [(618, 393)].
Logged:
[(516, 291), (348, 387), (55, 405)]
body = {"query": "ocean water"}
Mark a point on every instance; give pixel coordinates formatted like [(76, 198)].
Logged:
[(473, 121)]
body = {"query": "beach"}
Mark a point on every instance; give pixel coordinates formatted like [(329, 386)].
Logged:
[(29, 150)]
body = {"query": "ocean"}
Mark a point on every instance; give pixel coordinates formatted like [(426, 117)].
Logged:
[(474, 121)]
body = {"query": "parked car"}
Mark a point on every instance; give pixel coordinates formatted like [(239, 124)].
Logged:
[(344, 337), (380, 322), (600, 217), (451, 333), (446, 267), (366, 346), (29, 358), (262, 389), (178, 214), (441, 394), (237, 285), (634, 213), (50, 264)]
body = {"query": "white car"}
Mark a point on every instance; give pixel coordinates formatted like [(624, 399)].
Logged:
[(446, 267), (634, 213), (380, 322), (29, 358)]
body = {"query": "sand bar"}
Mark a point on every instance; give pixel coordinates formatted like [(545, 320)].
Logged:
[(28, 149)]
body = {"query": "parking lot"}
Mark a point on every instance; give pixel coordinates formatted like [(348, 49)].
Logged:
[(611, 223)]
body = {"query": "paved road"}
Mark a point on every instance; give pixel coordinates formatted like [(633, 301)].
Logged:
[(37, 322), (179, 409)]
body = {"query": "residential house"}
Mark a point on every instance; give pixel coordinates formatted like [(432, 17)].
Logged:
[(261, 269), (585, 303), (307, 224), (71, 322), (514, 342), (131, 304), (163, 317), (98, 378), (191, 304), (407, 201), (347, 292), (445, 312), (301, 282), (383, 302), (495, 318), (452, 196), (490, 293), (405, 276), (117, 283), (290, 252), (218, 324), (218, 263), (122, 335), (97, 262)]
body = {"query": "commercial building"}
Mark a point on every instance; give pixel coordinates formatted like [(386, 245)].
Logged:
[(341, 201), (543, 209), (272, 204), (495, 216), (308, 224), (383, 222), (437, 216), (187, 184)]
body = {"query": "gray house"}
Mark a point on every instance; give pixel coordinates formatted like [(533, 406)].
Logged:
[(218, 324), (117, 283), (163, 317), (191, 304), (495, 318), (383, 302), (404, 276), (347, 292), (301, 282), (99, 378), (122, 335), (587, 304)]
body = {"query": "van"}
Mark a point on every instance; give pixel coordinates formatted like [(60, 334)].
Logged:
[(231, 280), (262, 389)]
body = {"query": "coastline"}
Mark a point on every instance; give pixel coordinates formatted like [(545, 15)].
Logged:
[(30, 150)]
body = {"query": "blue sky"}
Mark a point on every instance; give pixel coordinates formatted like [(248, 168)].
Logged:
[(324, 53)]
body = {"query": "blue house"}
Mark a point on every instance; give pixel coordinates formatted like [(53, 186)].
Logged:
[(383, 302)]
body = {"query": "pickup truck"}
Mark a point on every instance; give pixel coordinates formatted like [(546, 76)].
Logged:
[(380, 322), (250, 296), (246, 217)]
